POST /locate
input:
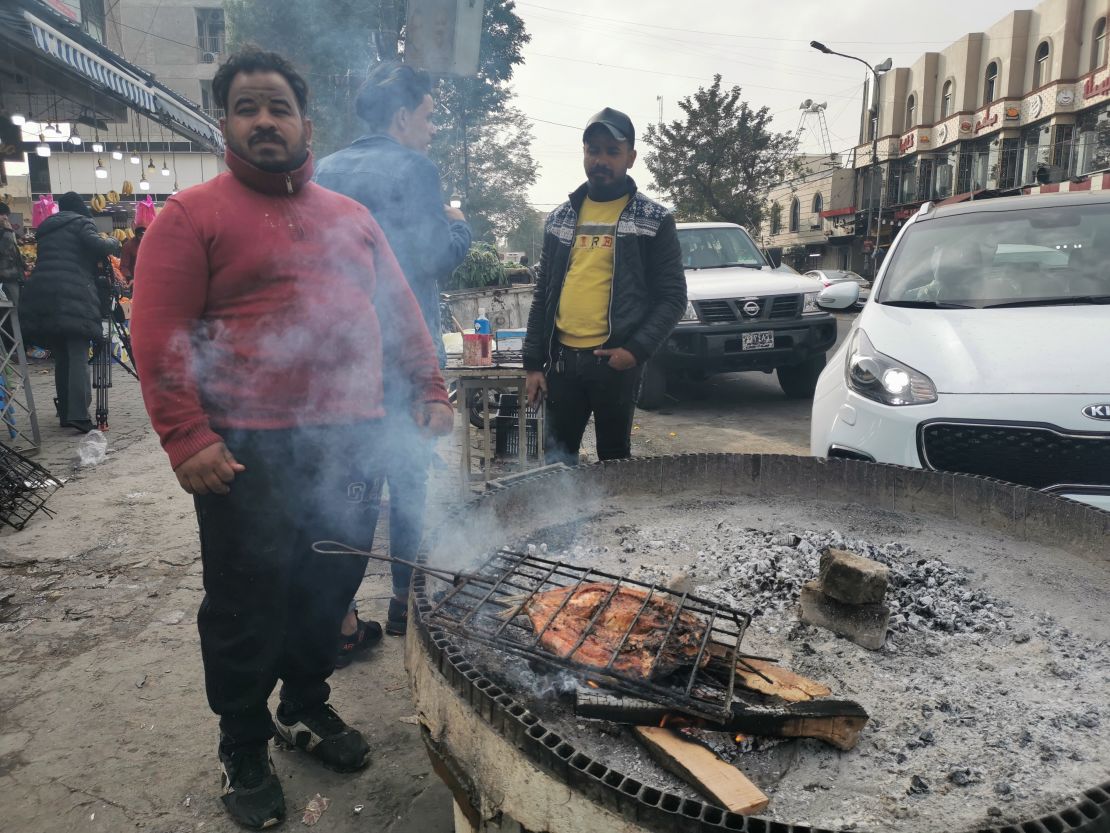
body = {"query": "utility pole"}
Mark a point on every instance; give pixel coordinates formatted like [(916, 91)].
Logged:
[(659, 101), (873, 125)]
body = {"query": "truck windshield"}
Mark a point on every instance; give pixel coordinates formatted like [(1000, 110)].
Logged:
[(716, 248), (1029, 257)]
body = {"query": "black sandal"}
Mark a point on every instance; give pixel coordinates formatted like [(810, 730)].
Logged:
[(366, 635)]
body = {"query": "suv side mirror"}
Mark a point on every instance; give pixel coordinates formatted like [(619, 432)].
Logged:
[(839, 296)]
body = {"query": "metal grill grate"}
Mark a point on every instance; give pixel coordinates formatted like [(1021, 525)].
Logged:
[(24, 488), (488, 607)]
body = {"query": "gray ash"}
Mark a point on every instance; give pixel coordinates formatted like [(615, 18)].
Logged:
[(763, 572), (982, 695)]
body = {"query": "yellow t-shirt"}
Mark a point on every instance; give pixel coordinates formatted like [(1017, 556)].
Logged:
[(583, 317)]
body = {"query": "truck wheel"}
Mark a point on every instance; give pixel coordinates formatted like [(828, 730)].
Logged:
[(800, 380), (653, 388)]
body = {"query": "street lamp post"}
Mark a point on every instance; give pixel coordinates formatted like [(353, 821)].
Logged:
[(873, 117)]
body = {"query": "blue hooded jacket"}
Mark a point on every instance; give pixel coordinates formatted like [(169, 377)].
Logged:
[(402, 190)]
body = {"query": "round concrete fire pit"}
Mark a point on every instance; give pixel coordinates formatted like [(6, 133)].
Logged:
[(1015, 633)]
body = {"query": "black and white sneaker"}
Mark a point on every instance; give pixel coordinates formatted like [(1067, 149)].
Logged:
[(322, 733), (251, 789)]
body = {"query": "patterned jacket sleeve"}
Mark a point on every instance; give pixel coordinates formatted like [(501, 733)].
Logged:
[(667, 279)]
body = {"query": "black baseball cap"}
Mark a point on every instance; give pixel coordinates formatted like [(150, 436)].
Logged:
[(618, 124)]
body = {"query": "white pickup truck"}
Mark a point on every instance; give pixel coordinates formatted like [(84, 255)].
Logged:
[(743, 314)]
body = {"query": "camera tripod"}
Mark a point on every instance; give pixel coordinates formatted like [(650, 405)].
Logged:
[(112, 325)]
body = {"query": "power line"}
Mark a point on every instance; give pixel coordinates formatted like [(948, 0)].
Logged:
[(720, 51), (669, 74), (626, 22)]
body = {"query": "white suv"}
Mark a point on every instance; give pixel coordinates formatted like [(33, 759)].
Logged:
[(984, 349)]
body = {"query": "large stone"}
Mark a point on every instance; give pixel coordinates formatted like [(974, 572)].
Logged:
[(864, 624), (851, 579)]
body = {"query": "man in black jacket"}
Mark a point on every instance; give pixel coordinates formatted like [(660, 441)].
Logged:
[(61, 306), (609, 289)]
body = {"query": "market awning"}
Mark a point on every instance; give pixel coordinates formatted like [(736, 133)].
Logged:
[(41, 36)]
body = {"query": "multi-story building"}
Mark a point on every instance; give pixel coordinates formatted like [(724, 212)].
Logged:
[(1020, 107), (180, 43), (131, 78), (809, 219)]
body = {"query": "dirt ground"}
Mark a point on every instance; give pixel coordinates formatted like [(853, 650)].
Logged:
[(103, 721)]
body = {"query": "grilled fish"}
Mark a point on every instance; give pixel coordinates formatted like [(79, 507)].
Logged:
[(561, 629)]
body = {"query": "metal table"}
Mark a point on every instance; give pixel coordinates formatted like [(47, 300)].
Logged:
[(503, 377)]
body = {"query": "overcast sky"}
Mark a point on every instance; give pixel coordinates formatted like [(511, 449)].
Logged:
[(585, 56)]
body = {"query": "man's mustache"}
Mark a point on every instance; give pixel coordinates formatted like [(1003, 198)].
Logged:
[(267, 136), (600, 171)]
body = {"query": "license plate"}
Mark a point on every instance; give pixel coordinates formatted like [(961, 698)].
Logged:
[(757, 341)]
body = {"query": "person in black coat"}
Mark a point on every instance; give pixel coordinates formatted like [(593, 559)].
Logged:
[(60, 307)]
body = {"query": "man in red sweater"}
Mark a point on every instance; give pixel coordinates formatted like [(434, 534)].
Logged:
[(266, 311)]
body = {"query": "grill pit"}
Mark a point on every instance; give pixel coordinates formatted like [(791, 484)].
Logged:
[(988, 703)]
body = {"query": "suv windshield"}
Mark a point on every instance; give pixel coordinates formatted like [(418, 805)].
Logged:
[(1027, 257), (715, 248)]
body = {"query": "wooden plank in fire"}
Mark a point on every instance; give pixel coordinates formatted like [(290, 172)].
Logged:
[(703, 770)]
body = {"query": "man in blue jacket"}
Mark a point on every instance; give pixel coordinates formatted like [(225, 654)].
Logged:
[(389, 172)]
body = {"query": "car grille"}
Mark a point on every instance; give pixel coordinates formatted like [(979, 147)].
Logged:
[(771, 308), (1033, 455)]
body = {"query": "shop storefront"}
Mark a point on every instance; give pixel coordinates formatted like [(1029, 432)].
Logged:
[(74, 105)]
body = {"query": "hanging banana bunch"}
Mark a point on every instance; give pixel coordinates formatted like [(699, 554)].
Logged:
[(128, 189)]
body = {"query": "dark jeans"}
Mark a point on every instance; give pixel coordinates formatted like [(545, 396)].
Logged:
[(579, 384), (72, 379), (272, 607)]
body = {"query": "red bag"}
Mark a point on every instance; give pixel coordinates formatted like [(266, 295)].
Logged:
[(43, 208), (144, 212)]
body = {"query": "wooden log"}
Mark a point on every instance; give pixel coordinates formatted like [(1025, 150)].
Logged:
[(838, 722), (703, 770), (780, 682)]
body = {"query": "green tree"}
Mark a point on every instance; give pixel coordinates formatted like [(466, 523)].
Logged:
[(528, 235), (335, 43), (497, 162), (718, 162)]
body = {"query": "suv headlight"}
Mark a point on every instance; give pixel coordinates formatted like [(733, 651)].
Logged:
[(883, 379), (691, 314), (810, 304)]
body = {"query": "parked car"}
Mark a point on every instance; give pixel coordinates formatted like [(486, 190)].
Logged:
[(984, 348), (828, 277), (743, 314)]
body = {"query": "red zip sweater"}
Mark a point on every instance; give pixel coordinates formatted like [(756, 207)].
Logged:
[(263, 301)]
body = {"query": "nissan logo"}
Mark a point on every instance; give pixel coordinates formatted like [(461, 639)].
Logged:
[(1100, 411), (751, 309)]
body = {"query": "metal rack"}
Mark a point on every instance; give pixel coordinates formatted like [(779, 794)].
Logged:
[(487, 607), (19, 422)]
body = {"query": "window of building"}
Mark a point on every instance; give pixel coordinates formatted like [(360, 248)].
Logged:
[(208, 101), (1098, 45), (92, 18), (210, 34), (795, 214), (1040, 65), (911, 107), (946, 100), (990, 90), (818, 204), (776, 218)]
